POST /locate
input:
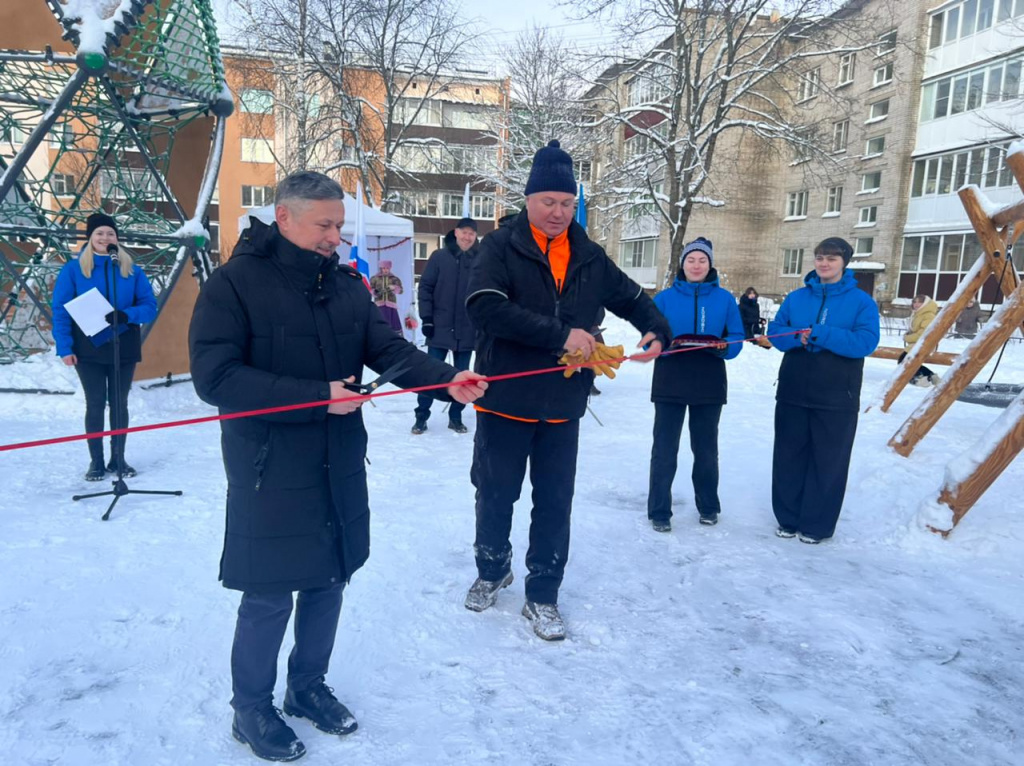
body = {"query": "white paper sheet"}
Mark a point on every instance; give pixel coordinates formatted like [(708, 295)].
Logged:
[(89, 311)]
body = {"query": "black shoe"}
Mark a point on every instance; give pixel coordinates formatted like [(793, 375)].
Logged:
[(594, 390), (321, 707), (267, 735), (661, 525), (126, 470), (809, 539), (419, 427), (785, 532), (710, 520), (96, 470), (457, 427)]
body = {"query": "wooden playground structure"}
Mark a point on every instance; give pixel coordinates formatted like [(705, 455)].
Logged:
[(969, 475)]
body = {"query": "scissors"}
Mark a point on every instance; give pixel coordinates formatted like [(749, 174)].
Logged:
[(364, 389)]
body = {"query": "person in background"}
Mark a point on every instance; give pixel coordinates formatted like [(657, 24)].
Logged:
[(818, 395), (386, 288), (93, 357), (925, 311), (533, 298), (446, 325), (967, 322), (750, 313), (697, 307)]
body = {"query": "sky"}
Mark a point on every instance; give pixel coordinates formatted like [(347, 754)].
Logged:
[(502, 22)]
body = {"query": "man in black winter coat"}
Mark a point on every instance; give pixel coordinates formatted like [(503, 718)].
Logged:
[(283, 323), (442, 300), (534, 295)]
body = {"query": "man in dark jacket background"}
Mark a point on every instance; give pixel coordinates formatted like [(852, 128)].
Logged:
[(535, 293), (283, 323), (442, 303)]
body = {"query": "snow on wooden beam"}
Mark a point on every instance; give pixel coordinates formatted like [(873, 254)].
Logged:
[(970, 362), (936, 357), (969, 475)]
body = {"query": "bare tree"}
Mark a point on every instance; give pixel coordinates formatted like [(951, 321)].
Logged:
[(546, 84), (352, 76), (718, 69)]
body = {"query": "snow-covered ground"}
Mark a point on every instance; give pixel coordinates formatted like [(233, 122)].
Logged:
[(720, 645)]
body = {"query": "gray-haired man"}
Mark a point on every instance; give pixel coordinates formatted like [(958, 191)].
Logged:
[(283, 323)]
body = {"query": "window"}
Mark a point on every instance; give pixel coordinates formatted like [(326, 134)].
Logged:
[(418, 203), (834, 200), (451, 205), (792, 262), (61, 135), (417, 111), (878, 110), (986, 14), (935, 31), (648, 86), (128, 183), (637, 254), (11, 132), (419, 251), (840, 131), (871, 182), (887, 43), (257, 196), (583, 171), (947, 173), (796, 205), (482, 207), (968, 91), (883, 75), (464, 116), (935, 264), (808, 86), (952, 24), (970, 15), (256, 101), (863, 247), (63, 184), (874, 146), (847, 62), (256, 150), (868, 216)]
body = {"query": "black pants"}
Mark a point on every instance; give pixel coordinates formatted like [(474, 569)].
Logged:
[(259, 631), (460, 359), (668, 427), (922, 371), (98, 385), (501, 449), (810, 465)]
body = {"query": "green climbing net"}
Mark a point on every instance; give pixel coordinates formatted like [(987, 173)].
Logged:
[(96, 131)]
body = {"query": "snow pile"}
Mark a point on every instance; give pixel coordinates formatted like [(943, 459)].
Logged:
[(96, 19)]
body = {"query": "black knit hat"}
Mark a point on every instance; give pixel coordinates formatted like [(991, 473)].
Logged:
[(96, 220), (551, 171), (835, 246), (466, 223)]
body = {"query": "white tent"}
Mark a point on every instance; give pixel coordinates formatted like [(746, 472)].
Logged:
[(388, 237)]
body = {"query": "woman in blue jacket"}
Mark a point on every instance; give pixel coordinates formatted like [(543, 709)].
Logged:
[(93, 357), (818, 395), (701, 313)]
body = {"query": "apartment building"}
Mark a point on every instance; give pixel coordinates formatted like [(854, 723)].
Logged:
[(970, 107)]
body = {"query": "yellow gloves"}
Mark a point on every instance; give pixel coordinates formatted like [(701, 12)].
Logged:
[(606, 360)]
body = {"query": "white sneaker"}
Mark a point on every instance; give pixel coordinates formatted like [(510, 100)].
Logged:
[(545, 619), (934, 379), (483, 593)]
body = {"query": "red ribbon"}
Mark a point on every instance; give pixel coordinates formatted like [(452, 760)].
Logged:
[(376, 395)]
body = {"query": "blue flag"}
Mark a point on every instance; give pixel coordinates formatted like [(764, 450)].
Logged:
[(581, 209)]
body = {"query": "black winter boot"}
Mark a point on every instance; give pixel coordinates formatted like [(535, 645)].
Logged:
[(127, 471), (419, 427), (96, 470), (267, 735), (321, 707)]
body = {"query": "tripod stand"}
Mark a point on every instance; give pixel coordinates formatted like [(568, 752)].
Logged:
[(120, 489)]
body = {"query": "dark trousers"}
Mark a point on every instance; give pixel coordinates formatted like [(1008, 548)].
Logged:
[(98, 385), (668, 427), (810, 465), (501, 449), (460, 360), (922, 371), (259, 631)]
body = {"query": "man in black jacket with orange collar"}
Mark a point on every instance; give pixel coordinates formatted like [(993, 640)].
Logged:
[(538, 283), (283, 323)]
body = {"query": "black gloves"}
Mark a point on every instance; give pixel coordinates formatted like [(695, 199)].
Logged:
[(428, 327), (122, 318)]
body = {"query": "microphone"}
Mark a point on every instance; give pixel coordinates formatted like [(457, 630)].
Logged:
[(112, 251)]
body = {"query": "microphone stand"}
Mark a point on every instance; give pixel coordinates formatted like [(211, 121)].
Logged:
[(120, 489)]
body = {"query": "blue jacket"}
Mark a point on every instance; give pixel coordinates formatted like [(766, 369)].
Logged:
[(134, 297), (828, 371), (704, 308)]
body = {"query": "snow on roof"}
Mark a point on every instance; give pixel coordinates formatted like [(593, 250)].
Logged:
[(866, 266), (95, 20)]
